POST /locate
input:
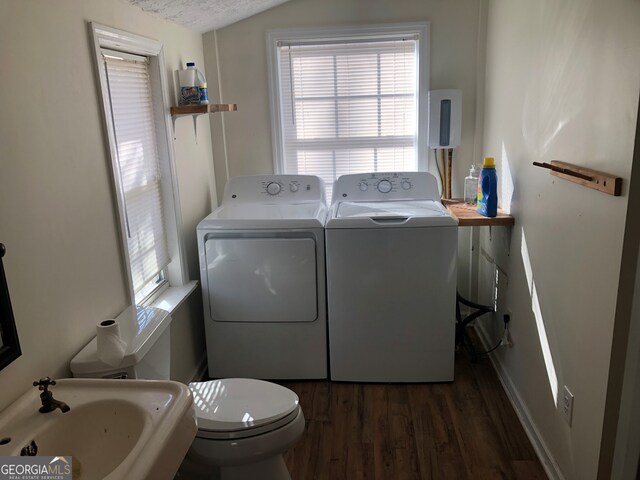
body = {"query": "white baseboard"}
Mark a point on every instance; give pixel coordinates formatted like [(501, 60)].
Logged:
[(549, 464)]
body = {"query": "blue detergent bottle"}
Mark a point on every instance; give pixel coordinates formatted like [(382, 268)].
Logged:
[(488, 189)]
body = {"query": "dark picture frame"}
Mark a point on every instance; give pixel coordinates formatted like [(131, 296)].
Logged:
[(9, 344)]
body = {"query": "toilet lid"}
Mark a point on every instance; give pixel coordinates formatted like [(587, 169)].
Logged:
[(240, 403)]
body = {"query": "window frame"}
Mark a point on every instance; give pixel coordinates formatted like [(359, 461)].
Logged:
[(358, 32), (105, 37)]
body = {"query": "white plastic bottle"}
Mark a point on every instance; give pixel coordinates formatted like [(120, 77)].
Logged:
[(471, 186), (202, 88), (189, 91)]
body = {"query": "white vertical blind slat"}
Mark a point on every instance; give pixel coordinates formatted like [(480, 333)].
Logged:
[(138, 163), (349, 107)]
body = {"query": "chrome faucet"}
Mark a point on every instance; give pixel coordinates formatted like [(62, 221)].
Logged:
[(49, 404)]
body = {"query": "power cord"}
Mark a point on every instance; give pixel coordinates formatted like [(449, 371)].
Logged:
[(435, 158), (462, 339), (504, 341)]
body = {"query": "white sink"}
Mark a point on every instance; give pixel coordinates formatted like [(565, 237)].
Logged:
[(116, 429)]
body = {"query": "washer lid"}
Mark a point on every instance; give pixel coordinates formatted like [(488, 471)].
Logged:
[(265, 215), (399, 213), (240, 403)]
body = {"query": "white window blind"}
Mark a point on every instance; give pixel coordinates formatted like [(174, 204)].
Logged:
[(138, 172), (348, 107)]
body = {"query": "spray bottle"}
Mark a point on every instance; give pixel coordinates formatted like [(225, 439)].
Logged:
[(471, 187)]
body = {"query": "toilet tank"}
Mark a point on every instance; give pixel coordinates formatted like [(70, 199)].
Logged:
[(146, 334)]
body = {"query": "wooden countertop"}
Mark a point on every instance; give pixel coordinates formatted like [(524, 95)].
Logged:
[(467, 215)]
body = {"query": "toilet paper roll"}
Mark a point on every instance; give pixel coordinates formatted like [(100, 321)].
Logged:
[(111, 347)]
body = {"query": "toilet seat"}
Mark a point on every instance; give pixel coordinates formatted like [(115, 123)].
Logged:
[(241, 407), (248, 432)]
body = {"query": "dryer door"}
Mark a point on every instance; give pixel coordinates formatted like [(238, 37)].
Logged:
[(261, 279)]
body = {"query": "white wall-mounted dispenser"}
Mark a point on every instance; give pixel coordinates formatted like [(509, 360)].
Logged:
[(445, 118)]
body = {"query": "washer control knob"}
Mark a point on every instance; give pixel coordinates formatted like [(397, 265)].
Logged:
[(294, 187), (363, 186), (273, 188), (384, 186), (406, 184)]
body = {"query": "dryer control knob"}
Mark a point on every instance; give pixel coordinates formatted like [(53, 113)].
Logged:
[(406, 185), (384, 186), (363, 186), (273, 188), (293, 187)]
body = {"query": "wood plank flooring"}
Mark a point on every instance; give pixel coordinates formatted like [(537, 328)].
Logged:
[(461, 430)]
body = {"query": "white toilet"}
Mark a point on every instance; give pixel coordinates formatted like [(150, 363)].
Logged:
[(244, 425)]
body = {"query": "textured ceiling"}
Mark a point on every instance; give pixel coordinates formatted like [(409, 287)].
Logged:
[(205, 15)]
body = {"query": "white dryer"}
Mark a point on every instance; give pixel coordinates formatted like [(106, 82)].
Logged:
[(262, 267), (391, 279)]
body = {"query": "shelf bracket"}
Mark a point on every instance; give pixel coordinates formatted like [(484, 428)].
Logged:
[(194, 116), (195, 110), (195, 126)]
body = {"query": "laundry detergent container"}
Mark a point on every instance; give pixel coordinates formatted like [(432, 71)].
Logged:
[(244, 425)]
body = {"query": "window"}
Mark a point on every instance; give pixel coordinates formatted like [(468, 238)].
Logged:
[(348, 100), (137, 169), (132, 85)]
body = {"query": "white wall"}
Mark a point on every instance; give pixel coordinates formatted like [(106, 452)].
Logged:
[(562, 82), (57, 209)]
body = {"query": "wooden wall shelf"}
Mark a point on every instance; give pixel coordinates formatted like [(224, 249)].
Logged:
[(467, 215), (601, 181), (202, 109)]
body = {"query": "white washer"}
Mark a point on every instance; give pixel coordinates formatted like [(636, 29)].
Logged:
[(391, 279), (262, 267)]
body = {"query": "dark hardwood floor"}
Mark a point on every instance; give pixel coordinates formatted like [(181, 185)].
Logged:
[(461, 430)]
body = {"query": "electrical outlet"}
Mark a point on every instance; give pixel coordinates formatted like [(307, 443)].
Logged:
[(567, 405), (506, 339), (506, 336)]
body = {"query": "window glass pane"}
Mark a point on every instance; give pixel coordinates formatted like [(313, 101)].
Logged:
[(397, 116), (151, 288), (315, 119), (358, 117), (313, 76), (357, 74), (355, 160), (398, 73), (397, 159), (316, 162)]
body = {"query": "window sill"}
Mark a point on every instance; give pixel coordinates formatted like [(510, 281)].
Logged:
[(171, 298)]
